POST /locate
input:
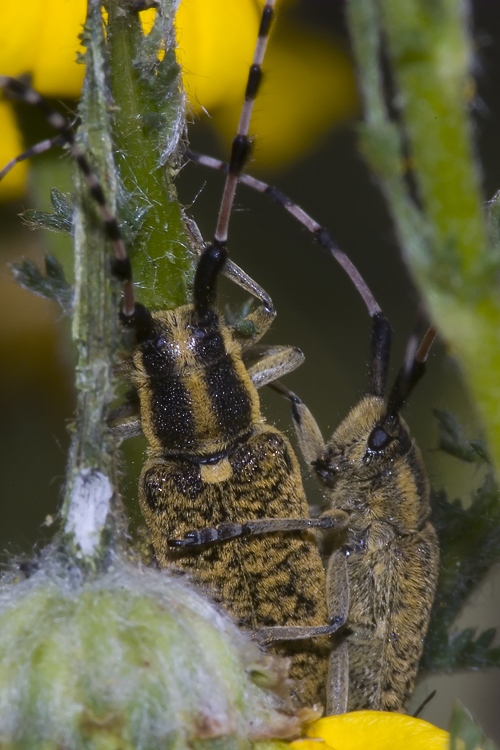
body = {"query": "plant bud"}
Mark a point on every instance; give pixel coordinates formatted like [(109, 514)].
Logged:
[(131, 658)]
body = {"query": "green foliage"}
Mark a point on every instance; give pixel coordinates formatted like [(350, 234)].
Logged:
[(422, 52), (465, 734), (148, 121), (452, 441), (52, 285), (59, 220), (469, 539)]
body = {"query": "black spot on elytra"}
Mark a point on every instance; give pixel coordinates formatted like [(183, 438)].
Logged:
[(172, 415), (305, 603), (229, 398)]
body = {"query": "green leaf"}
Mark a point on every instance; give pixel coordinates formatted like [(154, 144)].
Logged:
[(465, 734), (453, 442), (52, 286), (60, 220), (469, 540)]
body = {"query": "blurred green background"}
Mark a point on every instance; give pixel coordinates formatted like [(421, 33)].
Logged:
[(317, 310)]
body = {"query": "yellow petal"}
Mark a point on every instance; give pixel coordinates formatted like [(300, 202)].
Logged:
[(147, 19), (56, 72), (308, 86), (40, 38), (308, 83), (216, 40), (10, 146), (376, 730)]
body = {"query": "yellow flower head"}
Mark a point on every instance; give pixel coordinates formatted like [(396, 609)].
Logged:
[(308, 84), (373, 730)]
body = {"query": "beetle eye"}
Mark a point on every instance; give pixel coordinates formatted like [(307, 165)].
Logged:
[(379, 439)]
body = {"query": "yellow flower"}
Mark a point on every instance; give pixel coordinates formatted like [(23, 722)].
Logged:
[(39, 38), (376, 730), (309, 84)]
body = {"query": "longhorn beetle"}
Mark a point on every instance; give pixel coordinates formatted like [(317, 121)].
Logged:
[(211, 455), (383, 557), (387, 557), (382, 569), (240, 470), (383, 565)]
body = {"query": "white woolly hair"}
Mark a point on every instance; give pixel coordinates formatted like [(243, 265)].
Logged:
[(134, 653)]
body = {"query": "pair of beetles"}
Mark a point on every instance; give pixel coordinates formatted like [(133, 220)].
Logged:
[(221, 490)]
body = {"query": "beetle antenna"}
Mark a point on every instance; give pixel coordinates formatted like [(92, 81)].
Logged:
[(121, 267), (240, 152), (411, 372)]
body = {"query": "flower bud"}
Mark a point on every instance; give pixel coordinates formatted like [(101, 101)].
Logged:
[(131, 658)]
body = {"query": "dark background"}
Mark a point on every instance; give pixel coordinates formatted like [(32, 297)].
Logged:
[(317, 311)]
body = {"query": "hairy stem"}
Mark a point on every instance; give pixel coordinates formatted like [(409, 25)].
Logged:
[(121, 64), (424, 158)]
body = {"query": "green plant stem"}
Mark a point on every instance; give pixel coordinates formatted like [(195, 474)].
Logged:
[(445, 241), (91, 465), (129, 60), (149, 119)]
